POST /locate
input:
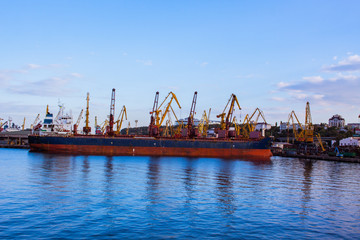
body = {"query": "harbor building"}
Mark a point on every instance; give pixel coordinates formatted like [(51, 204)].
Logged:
[(336, 121)]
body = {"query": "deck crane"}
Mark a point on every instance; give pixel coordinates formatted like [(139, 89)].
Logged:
[(112, 112), (167, 106), (204, 123), (76, 125), (104, 125), (226, 118), (236, 125), (250, 123), (190, 125), (36, 120), (87, 128), (120, 119)]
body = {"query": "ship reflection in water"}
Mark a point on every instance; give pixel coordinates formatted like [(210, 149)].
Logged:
[(63, 196)]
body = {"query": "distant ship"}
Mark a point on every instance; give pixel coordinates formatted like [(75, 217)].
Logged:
[(61, 124)]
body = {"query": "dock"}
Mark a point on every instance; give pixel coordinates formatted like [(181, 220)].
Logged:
[(17, 139)]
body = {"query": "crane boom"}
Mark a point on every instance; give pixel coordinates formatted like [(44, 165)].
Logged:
[(87, 128), (36, 120), (79, 118)]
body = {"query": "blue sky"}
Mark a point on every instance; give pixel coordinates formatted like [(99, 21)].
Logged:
[(275, 55)]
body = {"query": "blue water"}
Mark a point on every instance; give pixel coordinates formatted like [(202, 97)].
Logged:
[(45, 196)]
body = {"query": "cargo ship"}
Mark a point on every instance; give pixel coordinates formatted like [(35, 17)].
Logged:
[(186, 141), (150, 146)]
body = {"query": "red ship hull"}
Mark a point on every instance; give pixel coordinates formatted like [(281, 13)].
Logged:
[(129, 146)]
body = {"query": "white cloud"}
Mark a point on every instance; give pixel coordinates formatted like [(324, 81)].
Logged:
[(314, 79), (204, 64), (77, 75), (283, 84), (33, 66), (350, 64), (335, 57)]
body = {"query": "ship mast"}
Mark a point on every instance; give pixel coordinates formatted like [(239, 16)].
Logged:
[(87, 129)]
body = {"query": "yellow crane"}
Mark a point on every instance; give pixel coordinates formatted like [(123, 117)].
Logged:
[(227, 117), (250, 122), (320, 142), (23, 125), (120, 119), (298, 134), (204, 123), (309, 128), (236, 125), (87, 128), (158, 115), (103, 125), (160, 119), (306, 133)]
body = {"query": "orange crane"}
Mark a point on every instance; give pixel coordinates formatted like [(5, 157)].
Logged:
[(87, 128)]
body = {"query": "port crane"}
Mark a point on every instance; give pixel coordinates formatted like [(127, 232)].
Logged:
[(87, 128), (204, 123), (76, 125), (190, 124), (120, 119), (112, 112), (23, 125), (157, 115), (226, 118), (36, 120), (306, 133), (250, 122)]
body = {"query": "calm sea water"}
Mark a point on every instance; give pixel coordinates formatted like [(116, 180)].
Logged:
[(45, 196)]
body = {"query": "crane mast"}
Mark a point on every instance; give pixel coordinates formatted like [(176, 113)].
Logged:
[(87, 128), (309, 128), (153, 130), (112, 112)]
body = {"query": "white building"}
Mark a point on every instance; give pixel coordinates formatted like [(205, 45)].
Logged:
[(283, 126), (350, 141), (336, 121), (262, 126)]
